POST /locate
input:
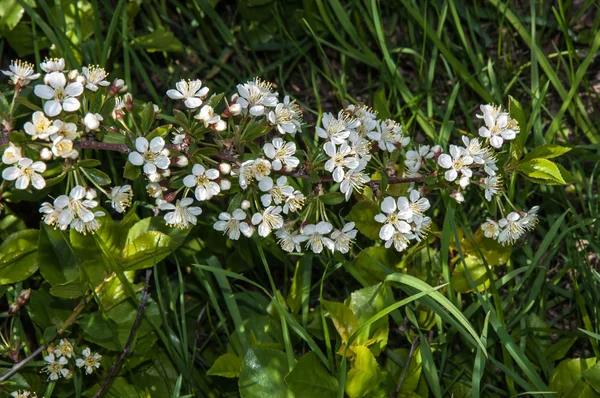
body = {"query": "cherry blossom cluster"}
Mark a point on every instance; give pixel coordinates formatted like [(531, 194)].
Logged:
[(60, 356), (253, 152)]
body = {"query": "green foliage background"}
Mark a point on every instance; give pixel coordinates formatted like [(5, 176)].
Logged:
[(305, 326)]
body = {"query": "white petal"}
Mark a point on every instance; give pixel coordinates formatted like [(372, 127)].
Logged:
[(451, 175), (71, 104), (269, 150), (157, 144), (52, 108), (38, 181), (11, 173), (388, 205), (189, 181), (43, 91), (135, 158), (386, 232), (74, 89), (141, 144), (174, 94), (445, 161)]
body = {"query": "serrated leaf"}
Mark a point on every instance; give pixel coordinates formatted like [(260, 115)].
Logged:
[(542, 171), (97, 176), (364, 375), (547, 151), (310, 379), (227, 365)]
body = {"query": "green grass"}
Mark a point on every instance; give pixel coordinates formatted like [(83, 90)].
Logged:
[(428, 65)]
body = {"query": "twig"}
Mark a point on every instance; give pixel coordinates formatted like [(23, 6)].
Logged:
[(413, 347), (136, 324), (90, 144), (22, 363)]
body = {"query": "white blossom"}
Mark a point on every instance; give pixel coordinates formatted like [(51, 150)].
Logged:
[(63, 147), (22, 394), (255, 96), (155, 190), (289, 241), (85, 227), (337, 130), (456, 162), (207, 116), (315, 237), (202, 179), (418, 204), (40, 127), (354, 180), (269, 220), (277, 193), (89, 361), (366, 116), (92, 121), (182, 214), (72, 207), (360, 146), (190, 91), (490, 229), (474, 149), (491, 186), (400, 240), (120, 197), (294, 202), (282, 153), (339, 159), (151, 155), (287, 116), (512, 229), (530, 219), (21, 72), (25, 172), (344, 237), (499, 126), (233, 224), (55, 367), (395, 218), (53, 65), (388, 135), (94, 77), (12, 154), (59, 94), (65, 348)]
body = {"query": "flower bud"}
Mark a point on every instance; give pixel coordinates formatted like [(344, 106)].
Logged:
[(45, 154), (165, 173), (178, 139), (91, 194), (245, 205), (13, 308), (221, 125), (169, 197), (225, 185), (235, 109), (156, 109), (457, 196), (25, 294), (73, 75), (92, 121), (224, 168), (128, 100), (118, 86), (69, 373), (154, 177), (180, 161)]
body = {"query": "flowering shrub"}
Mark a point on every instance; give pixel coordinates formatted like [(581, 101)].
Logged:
[(247, 166)]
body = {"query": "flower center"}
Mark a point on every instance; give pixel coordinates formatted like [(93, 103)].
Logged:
[(202, 179), (59, 94)]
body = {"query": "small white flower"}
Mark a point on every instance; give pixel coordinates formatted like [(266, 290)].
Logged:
[(490, 229), (294, 202), (202, 180), (178, 139), (366, 116), (530, 219), (58, 94), (491, 185), (225, 184), (282, 153), (399, 239), (85, 227), (421, 225), (360, 146), (394, 219), (354, 180), (73, 206), (94, 77), (275, 193), (287, 116), (512, 229), (151, 155), (26, 171), (12, 154), (155, 190), (289, 242), (458, 196), (182, 215), (53, 65), (413, 169), (474, 149), (207, 116), (65, 348), (245, 173), (92, 121), (255, 96), (388, 135), (40, 127), (337, 130), (55, 367), (90, 361), (344, 237), (489, 164), (245, 205), (50, 213), (21, 72), (269, 220), (418, 204), (65, 130), (339, 159), (45, 154), (23, 394), (63, 147), (315, 236), (499, 126), (120, 197), (261, 168), (233, 224), (457, 162), (191, 91), (421, 155)]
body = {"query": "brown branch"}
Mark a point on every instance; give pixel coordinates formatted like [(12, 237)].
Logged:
[(136, 324), (90, 144), (300, 173), (413, 347)]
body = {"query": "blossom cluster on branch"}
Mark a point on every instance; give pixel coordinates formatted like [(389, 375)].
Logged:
[(278, 177)]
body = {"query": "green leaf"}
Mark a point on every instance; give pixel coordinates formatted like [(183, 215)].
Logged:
[(332, 198), (18, 256), (547, 151), (97, 176), (147, 117), (368, 263), (460, 280), (310, 379), (542, 171), (380, 104), (90, 163), (262, 374), (343, 318), (131, 172), (567, 378), (364, 375), (558, 350), (227, 365), (160, 131), (72, 289), (159, 40), (11, 13), (294, 297), (363, 214), (592, 375)]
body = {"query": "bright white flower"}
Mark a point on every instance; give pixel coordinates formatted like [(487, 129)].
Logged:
[(261, 168), (202, 180), (418, 204), (12, 154), (40, 127), (50, 213), (366, 116), (344, 237), (360, 146), (490, 229), (26, 171), (512, 229), (456, 162), (354, 180), (489, 164), (530, 219), (499, 126), (339, 158), (155, 190), (294, 202), (90, 361), (58, 94), (289, 242), (85, 227), (65, 348), (337, 130), (207, 116), (92, 120), (72, 207), (63, 147), (94, 77), (269, 220), (420, 155), (474, 149), (120, 197), (287, 116), (151, 155), (21, 72), (314, 235), (233, 224), (491, 185), (282, 153), (412, 169), (66, 130), (221, 125), (399, 239), (182, 215), (388, 134), (458, 196), (45, 154), (394, 219), (55, 367), (275, 193), (22, 394), (255, 95), (191, 91), (53, 65), (421, 225)]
